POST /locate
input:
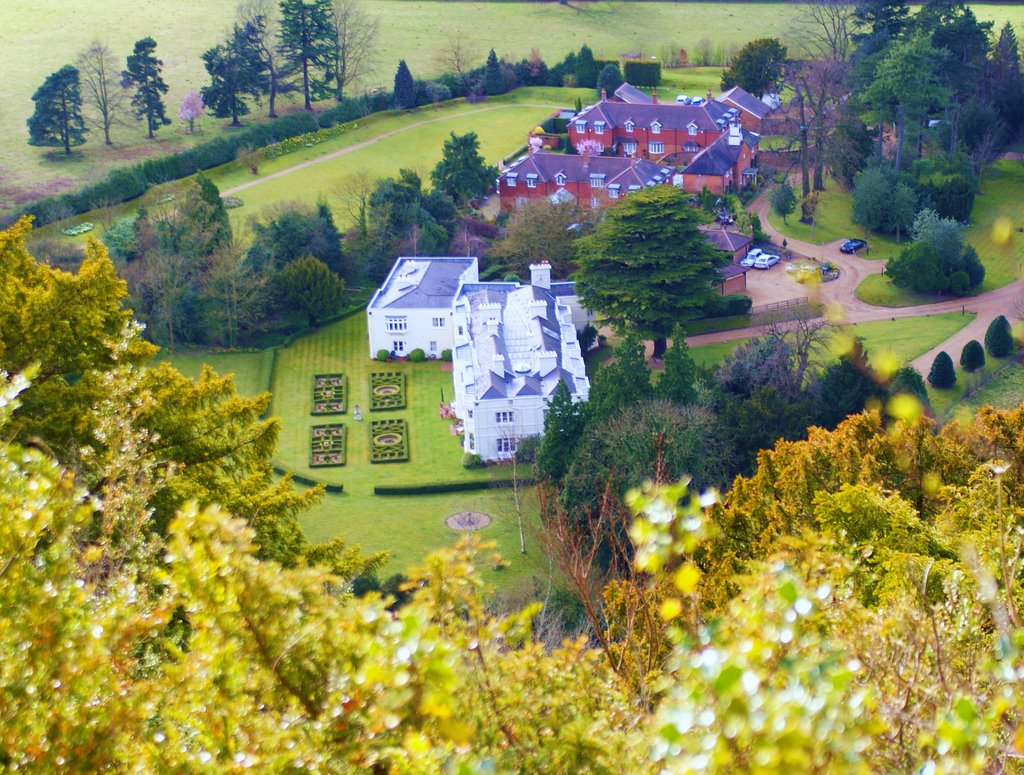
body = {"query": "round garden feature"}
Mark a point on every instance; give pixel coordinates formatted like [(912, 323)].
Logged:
[(467, 521)]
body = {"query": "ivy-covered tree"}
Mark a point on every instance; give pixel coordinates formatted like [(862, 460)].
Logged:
[(405, 87), (142, 74), (999, 338), (646, 265), (942, 374), (462, 173), (57, 120), (236, 72), (494, 81), (305, 42)]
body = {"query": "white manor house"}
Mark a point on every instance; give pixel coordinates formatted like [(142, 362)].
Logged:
[(511, 343)]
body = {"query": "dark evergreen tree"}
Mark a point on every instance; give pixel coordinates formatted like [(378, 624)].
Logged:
[(942, 373), (586, 68), (999, 338), (462, 173), (405, 87), (881, 19), (142, 74), (609, 79), (757, 68), (846, 387), (677, 381), (563, 429), (1003, 82), (218, 224), (236, 72), (308, 288), (57, 120), (494, 81), (972, 357), (908, 382), (306, 44), (624, 382)]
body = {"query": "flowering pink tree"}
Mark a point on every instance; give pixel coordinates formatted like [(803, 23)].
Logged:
[(535, 144), (191, 108), (589, 147)]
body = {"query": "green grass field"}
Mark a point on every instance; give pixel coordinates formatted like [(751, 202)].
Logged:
[(1004, 391), (878, 289), (41, 37), (961, 401)]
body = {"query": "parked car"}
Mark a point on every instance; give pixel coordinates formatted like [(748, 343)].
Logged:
[(852, 246), (751, 257), (682, 99), (766, 261), (698, 101)]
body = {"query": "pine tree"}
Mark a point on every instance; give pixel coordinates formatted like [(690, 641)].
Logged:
[(143, 73), (563, 429), (236, 72), (676, 382), (972, 357), (942, 374), (625, 382), (405, 88), (586, 68), (494, 81), (462, 172), (57, 120), (998, 338), (306, 43)]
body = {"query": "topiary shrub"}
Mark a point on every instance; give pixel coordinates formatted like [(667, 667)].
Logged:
[(417, 356), (383, 355), (942, 374), (972, 357), (472, 460), (959, 283), (446, 355), (998, 338)]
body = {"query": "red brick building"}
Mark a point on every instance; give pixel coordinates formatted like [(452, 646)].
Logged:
[(752, 110), (723, 166), (592, 181)]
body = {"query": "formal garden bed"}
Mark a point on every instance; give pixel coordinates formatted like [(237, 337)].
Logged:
[(329, 394), (389, 441), (327, 446), (387, 391)]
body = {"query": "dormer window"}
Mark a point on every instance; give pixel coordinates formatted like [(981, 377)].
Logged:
[(531, 181), (560, 179), (629, 126), (692, 129), (597, 181), (581, 126), (598, 127), (656, 128), (511, 178), (613, 191)]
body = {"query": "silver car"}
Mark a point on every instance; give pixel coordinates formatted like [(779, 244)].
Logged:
[(766, 261)]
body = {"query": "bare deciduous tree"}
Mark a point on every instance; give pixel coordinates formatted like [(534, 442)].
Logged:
[(100, 74), (806, 331), (354, 34), (819, 88), (455, 56), (825, 27)]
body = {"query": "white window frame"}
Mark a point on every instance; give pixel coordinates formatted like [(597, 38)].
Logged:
[(692, 130), (396, 325), (531, 182), (398, 346), (613, 192), (595, 202), (597, 181), (472, 442), (598, 127), (656, 147), (520, 202), (433, 348), (581, 126), (505, 417), (437, 323), (656, 128), (560, 179), (510, 181), (506, 446), (629, 147), (629, 126)]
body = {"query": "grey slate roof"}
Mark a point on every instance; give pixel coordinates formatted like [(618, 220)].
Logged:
[(719, 157), (631, 94), (746, 101), (670, 115), (615, 169), (421, 283), (729, 241)]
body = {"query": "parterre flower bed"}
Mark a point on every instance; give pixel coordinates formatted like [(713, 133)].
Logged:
[(389, 441), (387, 391), (329, 394), (327, 446)]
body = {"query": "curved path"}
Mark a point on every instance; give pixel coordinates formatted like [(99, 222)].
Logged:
[(840, 295), (366, 143)]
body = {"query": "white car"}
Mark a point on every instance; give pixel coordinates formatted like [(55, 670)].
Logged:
[(682, 99), (698, 101), (751, 257), (765, 261)]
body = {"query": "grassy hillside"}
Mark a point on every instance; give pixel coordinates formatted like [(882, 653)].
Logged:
[(41, 37)]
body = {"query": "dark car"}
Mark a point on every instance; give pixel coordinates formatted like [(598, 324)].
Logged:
[(852, 246)]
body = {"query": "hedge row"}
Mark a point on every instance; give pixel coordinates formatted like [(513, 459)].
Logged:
[(442, 487), (642, 73), (305, 480)]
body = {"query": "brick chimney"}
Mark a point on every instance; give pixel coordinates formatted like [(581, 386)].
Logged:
[(604, 95), (709, 95), (586, 156), (654, 95)]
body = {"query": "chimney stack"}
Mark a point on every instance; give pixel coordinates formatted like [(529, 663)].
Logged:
[(654, 95), (547, 361), (586, 156), (604, 95), (540, 275), (709, 95)]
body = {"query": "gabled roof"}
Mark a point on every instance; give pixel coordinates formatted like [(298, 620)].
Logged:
[(671, 115), (729, 241), (746, 101), (731, 270), (719, 157), (614, 169), (632, 95)]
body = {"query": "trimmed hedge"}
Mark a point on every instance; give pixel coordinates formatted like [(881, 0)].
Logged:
[(394, 452), (642, 73), (442, 487), (327, 445), (305, 480), (382, 397), (329, 394), (726, 306)]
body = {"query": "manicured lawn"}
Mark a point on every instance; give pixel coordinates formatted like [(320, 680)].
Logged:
[(41, 37), (250, 370), (1004, 391), (878, 289), (710, 356), (950, 403), (1000, 247)]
